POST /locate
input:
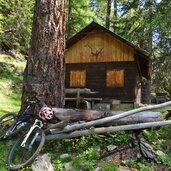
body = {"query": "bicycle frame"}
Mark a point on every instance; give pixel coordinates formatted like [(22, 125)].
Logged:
[(20, 121), (37, 123), (17, 122)]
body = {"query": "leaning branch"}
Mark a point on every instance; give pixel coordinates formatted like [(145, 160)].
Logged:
[(94, 123), (107, 130)]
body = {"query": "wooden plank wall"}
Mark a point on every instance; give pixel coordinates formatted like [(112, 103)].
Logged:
[(98, 47), (115, 78), (96, 79), (78, 78)]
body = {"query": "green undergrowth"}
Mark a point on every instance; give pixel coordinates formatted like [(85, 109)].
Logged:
[(4, 149), (11, 76), (84, 152)]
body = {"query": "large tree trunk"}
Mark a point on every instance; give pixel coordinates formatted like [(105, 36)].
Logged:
[(149, 5), (44, 72)]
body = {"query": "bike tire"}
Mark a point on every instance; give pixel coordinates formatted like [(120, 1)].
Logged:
[(6, 121), (18, 158)]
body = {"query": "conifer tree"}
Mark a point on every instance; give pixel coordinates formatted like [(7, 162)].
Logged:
[(44, 73)]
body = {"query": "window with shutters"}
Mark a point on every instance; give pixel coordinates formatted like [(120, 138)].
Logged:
[(77, 78), (115, 78)]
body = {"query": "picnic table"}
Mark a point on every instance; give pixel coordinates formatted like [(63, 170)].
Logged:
[(78, 96)]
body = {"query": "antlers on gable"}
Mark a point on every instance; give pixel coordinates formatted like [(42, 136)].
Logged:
[(96, 52)]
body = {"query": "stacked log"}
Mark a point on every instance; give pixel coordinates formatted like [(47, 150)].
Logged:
[(101, 122)]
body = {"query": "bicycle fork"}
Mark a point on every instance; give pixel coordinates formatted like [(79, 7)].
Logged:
[(36, 124)]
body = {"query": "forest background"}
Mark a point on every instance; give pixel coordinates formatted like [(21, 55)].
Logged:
[(146, 23)]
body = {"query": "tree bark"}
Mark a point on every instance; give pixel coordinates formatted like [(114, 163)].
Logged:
[(108, 14), (149, 5), (69, 17), (115, 16), (44, 72)]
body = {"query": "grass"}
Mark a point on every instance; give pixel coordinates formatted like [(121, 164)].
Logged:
[(3, 153), (11, 77), (10, 103)]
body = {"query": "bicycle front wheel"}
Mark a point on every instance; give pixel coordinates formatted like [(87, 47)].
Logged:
[(21, 156), (5, 123)]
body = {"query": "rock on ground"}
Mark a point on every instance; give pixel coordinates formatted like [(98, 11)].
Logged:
[(42, 163)]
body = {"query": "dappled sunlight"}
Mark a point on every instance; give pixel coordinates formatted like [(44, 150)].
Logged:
[(11, 78), (9, 104)]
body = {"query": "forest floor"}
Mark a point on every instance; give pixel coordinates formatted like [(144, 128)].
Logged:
[(86, 153)]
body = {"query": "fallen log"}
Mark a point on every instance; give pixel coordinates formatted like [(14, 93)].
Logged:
[(98, 114), (74, 115), (141, 117), (102, 130), (70, 116)]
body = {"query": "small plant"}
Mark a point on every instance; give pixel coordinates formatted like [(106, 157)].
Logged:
[(109, 166), (130, 163), (86, 160), (164, 160), (143, 167), (58, 165), (66, 159)]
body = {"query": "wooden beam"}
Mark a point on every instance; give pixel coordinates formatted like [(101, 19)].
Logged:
[(75, 90)]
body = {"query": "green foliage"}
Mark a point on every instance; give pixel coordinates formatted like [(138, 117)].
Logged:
[(15, 24), (164, 160), (154, 138), (85, 151), (142, 166), (10, 83), (4, 149), (58, 165), (109, 166), (86, 161), (78, 18)]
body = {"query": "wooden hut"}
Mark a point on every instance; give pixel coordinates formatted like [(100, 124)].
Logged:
[(102, 61)]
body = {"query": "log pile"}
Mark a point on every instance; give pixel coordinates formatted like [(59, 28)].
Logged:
[(75, 123)]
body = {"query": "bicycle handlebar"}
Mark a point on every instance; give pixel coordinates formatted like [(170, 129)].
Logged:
[(33, 100)]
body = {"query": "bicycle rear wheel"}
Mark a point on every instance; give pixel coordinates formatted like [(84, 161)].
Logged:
[(5, 123), (19, 156)]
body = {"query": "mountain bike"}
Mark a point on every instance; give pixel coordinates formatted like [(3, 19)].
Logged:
[(11, 123), (28, 146)]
